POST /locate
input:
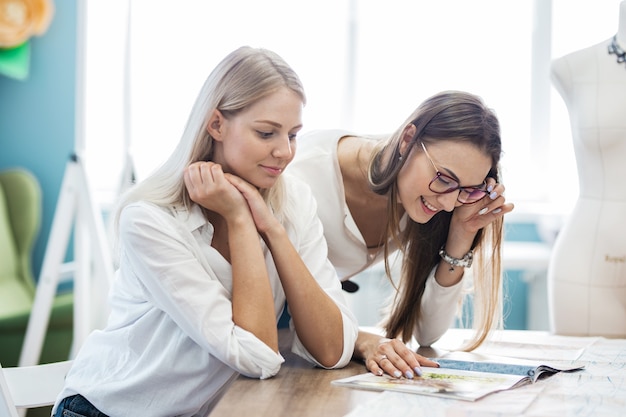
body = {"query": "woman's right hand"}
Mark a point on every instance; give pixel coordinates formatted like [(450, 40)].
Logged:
[(207, 186), (394, 358), (390, 356)]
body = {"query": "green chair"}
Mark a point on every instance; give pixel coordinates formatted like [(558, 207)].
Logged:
[(20, 222)]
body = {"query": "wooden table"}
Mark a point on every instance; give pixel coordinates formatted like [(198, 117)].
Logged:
[(298, 390), (301, 390)]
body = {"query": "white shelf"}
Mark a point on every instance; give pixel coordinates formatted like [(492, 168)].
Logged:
[(527, 256)]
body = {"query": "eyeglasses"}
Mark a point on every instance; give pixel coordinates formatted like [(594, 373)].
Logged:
[(444, 184)]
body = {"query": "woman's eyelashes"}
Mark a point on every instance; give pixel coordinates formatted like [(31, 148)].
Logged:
[(264, 135), (269, 135)]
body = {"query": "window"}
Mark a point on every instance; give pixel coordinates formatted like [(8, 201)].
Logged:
[(365, 65)]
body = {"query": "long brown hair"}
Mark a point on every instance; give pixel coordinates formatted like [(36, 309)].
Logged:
[(455, 116)]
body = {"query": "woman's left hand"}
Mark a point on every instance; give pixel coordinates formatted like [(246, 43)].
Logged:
[(473, 217), (263, 217)]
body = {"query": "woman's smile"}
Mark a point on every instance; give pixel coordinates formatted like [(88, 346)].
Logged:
[(430, 209), (272, 170)]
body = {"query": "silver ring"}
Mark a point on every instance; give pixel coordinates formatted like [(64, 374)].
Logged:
[(382, 357)]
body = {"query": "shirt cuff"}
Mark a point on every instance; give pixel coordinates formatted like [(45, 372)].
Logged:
[(255, 359)]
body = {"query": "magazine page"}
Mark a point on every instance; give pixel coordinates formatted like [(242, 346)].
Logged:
[(441, 382), (487, 366), (470, 361)]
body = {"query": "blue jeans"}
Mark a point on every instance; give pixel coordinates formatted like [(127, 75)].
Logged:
[(77, 406)]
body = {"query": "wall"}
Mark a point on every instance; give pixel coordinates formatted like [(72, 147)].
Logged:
[(524, 281), (37, 115)]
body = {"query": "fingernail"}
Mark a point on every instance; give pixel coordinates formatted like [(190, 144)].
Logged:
[(496, 211), (408, 375), (482, 211), (418, 371), (397, 374), (490, 188), (379, 372), (493, 195)]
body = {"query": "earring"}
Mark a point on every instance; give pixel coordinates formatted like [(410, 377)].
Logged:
[(400, 158)]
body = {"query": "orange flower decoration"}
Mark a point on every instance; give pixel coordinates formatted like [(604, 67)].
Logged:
[(21, 19)]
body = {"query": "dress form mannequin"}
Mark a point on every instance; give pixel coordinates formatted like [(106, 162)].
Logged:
[(587, 274)]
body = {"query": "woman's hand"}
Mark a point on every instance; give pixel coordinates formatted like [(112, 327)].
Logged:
[(467, 220), (263, 217), (391, 356), (207, 186), (472, 217)]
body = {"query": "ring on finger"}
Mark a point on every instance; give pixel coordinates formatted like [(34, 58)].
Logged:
[(382, 357)]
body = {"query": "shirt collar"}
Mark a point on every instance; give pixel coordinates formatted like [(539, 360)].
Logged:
[(192, 219)]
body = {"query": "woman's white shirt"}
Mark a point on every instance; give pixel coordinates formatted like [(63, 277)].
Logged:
[(317, 163), (170, 345)]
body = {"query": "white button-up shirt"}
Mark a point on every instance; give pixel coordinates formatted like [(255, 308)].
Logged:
[(170, 346)]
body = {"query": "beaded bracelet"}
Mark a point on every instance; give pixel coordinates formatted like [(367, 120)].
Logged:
[(465, 261)]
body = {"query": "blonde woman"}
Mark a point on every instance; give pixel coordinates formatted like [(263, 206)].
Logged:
[(210, 247)]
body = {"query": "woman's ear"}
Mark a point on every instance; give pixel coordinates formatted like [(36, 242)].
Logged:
[(407, 137), (215, 125)]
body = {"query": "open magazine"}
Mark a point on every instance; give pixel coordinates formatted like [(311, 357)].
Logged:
[(458, 379)]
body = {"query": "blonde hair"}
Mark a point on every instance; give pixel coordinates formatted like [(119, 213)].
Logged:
[(243, 77), (447, 116)]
